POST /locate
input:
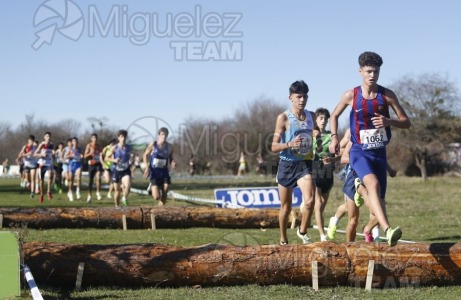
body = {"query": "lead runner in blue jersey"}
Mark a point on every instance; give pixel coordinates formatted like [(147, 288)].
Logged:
[(370, 124)]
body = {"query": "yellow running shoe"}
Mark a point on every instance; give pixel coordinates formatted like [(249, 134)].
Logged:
[(331, 231), (358, 199), (393, 235)]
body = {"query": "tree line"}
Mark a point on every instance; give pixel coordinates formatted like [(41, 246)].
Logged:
[(428, 148)]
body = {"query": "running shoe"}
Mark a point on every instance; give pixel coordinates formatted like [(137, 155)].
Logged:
[(304, 237), (393, 235), (358, 199), (331, 231), (368, 237)]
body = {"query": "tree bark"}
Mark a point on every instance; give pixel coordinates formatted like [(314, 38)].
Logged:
[(44, 218), (140, 217), (346, 264)]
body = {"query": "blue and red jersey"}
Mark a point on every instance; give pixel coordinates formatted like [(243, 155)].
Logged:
[(363, 132)]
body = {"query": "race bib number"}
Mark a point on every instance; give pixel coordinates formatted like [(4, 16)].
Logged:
[(122, 166), (30, 164), (159, 163), (373, 138), (306, 145)]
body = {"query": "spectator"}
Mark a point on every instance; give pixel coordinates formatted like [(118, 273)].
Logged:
[(6, 166)]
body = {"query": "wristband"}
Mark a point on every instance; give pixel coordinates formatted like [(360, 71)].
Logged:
[(333, 134)]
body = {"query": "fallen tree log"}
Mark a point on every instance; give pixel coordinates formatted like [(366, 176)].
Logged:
[(346, 264), (187, 217), (140, 217), (44, 218)]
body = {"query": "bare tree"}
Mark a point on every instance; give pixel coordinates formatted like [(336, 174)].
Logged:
[(219, 143), (432, 103), (256, 123), (5, 127), (5, 130)]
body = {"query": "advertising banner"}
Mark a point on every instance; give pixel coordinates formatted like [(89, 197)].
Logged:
[(255, 197)]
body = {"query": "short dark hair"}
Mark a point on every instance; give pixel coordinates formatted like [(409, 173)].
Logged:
[(49, 133), (94, 135), (299, 87), (370, 59), (122, 132), (32, 137), (75, 138), (322, 111), (164, 130)]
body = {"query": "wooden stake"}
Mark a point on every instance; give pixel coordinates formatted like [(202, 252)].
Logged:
[(315, 276), (1, 220), (124, 222), (152, 221), (78, 282), (371, 268)]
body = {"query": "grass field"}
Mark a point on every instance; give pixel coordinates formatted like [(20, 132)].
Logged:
[(426, 212)]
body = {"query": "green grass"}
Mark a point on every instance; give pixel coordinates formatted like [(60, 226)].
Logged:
[(251, 292), (426, 212)]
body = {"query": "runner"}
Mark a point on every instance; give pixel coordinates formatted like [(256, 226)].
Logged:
[(30, 164), (108, 167), (92, 153), (158, 156), (120, 155), (293, 140), (45, 153), (370, 125), (75, 157)]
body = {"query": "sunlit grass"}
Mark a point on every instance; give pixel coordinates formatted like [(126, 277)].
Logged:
[(426, 211)]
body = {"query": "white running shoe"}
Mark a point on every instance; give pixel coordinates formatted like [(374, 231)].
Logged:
[(98, 196), (304, 237), (88, 199), (109, 196), (77, 194), (70, 196), (124, 202)]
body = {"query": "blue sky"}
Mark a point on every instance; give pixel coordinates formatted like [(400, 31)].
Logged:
[(111, 77)]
